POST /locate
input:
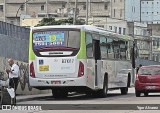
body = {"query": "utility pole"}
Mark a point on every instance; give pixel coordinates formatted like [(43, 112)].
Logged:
[(19, 9), (47, 8), (140, 10), (89, 13), (151, 49), (4, 10), (68, 8), (25, 8), (111, 7), (86, 12), (75, 13), (133, 59)]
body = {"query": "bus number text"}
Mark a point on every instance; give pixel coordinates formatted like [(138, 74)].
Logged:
[(67, 60)]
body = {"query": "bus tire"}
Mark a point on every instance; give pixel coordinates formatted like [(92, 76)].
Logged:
[(129, 80), (124, 90), (89, 94), (59, 94), (103, 92)]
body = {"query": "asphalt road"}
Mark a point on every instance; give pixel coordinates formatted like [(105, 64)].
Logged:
[(80, 103)]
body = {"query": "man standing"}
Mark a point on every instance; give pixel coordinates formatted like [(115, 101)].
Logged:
[(13, 74)]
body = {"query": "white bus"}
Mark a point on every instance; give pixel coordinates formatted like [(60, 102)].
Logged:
[(78, 58)]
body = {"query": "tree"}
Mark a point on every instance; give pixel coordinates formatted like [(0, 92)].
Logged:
[(52, 21)]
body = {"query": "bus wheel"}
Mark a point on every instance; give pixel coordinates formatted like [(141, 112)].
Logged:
[(89, 94), (129, 80), (103, 92), (59, 94), (124, 90)]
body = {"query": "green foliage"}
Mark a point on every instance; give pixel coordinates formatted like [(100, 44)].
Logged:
[(52, 21)]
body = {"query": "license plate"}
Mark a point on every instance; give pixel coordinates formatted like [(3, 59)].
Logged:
[(55, 82), (44, 68), (150, 87)]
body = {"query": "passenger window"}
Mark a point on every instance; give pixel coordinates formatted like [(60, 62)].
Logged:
[(116, 49), (103, 46), (89, 45), (109, 44), (120, 49), (123, 50)]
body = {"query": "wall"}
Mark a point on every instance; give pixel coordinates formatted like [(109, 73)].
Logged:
[(119, 8), (11, 38), (23, 87), (14, 41), (14, 48)]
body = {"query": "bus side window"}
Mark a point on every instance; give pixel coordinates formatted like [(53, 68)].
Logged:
[(123, 50), (110, 53), (103, 46), (116, 49), (89, 45), (129, 50)]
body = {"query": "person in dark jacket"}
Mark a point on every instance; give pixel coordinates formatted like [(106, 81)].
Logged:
[(140, 65)]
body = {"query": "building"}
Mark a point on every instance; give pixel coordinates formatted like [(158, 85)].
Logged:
[(132, 10), (155, 32), (12, 10), (142, 39), (146, 11), (142, 10), (118, 9), (2, 10), (116, 25)]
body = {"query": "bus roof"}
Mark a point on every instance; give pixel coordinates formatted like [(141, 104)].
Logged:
[(86, 28)]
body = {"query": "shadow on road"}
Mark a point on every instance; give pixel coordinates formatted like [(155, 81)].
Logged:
[(77, 96)]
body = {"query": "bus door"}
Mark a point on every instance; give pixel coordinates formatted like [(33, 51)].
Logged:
[(97, 58)]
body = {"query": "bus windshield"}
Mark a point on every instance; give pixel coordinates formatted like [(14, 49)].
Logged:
[(53, 39)]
